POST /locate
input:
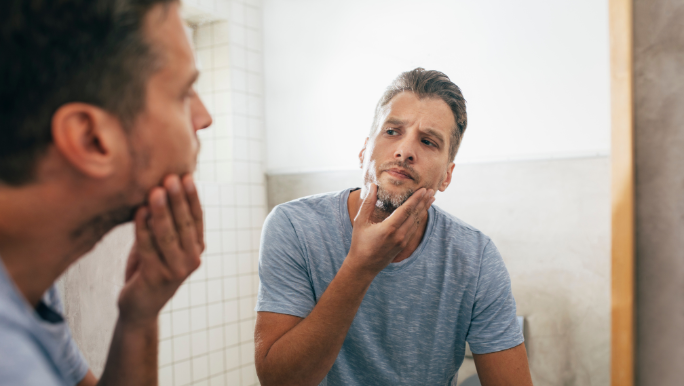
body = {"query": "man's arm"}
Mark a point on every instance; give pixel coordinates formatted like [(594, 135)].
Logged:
[(504, 368), (296, 351), (169, 241)]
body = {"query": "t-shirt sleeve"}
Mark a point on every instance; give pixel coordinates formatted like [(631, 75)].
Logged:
[(72, 364), (493, 326), (285, 286)]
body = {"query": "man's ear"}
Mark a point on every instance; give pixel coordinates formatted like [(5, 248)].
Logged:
[(447, 179), (88, 137), (362, 153)]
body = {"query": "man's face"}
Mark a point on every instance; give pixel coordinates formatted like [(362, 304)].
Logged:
[(410, 149), (164, 137)]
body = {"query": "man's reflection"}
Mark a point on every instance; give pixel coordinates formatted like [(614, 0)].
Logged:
[(376, 286)]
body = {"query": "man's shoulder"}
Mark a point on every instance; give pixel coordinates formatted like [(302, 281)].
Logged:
[(311, 208), (22, 360), (452, 226)]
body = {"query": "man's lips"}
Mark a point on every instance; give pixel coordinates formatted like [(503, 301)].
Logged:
[(399, 173)]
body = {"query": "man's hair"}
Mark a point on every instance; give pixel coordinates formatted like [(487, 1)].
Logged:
[(57, 52), (429, 84)]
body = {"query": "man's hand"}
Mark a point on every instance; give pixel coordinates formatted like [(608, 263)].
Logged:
[(169, 240), (375, 245)]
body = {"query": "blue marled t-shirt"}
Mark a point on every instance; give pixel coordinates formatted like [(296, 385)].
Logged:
[(413, 323), (36, 347)]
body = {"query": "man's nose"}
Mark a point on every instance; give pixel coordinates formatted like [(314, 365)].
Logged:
[(405, 150), (201, 119)]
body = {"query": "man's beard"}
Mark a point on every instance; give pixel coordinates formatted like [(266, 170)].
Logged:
[(389, 202)]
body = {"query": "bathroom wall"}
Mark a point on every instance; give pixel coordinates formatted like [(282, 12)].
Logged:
[(659, 140), (206, 330), (550, 220)]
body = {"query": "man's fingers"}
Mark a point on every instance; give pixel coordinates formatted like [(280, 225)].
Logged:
[(368, 204), (195, 207), (164, 231), (418, 217), (185, 224), (143, 248), (405, 211)]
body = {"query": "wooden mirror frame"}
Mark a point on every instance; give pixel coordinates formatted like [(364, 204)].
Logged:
[(623, 200)]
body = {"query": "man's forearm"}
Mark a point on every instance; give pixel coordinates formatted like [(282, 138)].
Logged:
[(132, 358), (305, 354)]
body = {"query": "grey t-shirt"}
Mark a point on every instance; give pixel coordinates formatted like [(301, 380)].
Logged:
[(36, 347), (413, 323)]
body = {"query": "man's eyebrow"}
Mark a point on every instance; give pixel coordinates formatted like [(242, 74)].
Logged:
[(435, 134), (395, 121)]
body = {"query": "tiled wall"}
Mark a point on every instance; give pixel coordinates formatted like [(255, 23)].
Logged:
[(206, 331)]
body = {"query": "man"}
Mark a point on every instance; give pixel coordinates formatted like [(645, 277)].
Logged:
[(376, 286), (99, 121)]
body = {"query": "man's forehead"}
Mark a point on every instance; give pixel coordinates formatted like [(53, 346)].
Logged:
[(165, 30), (406, 107)]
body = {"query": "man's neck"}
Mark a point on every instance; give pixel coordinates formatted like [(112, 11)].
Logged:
[(354, 204), (38, 236)]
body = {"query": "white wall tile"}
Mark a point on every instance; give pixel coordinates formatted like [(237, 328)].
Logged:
[(246, 331), (213, 243), (224, 171), (246, 307), (221, 56), (245, 285), (199, 343), (253, 17), (222, 103), (218, 380), (230, 288), (232, 357), (243, 217), (164, 325), (248, 374), (200, 368), (237, 12), (215, 290), (242, 195), (247, 353), (227, 195), (231, 313), (180, 322), (181, 348), (166, 376), (212, 195), (221, 31), (216, 341), (255, 62), (181, 373), (239, 57), (198, 293), (253, 40), (212, 219), (203, 37), (243, 240), (255, 106), (217, 363), (221, 79), (230, 265), (255, 84), (205, 59), (215, 314), (240, 127), (233, 378), (230, 333), (214, 265), (198, 317), (245, 263), (165, 353), (239, 80)]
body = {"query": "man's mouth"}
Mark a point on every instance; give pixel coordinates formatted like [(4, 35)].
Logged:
[(399, 173)]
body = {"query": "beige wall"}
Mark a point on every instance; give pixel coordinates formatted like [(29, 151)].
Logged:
[(551, 222), (659, 134)]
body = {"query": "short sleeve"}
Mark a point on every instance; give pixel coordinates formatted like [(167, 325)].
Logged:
[(285, 285), (70, 360), (493, 326)]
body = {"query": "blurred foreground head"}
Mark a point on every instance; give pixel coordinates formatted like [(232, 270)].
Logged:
[(97, 94)]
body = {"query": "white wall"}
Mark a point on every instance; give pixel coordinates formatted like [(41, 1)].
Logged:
[(534, 72)]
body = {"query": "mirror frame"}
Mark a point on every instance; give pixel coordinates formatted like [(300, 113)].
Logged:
[(623, 198)]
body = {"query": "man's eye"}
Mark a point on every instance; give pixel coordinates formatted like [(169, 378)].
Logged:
[(425, 141), (391, 131)]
